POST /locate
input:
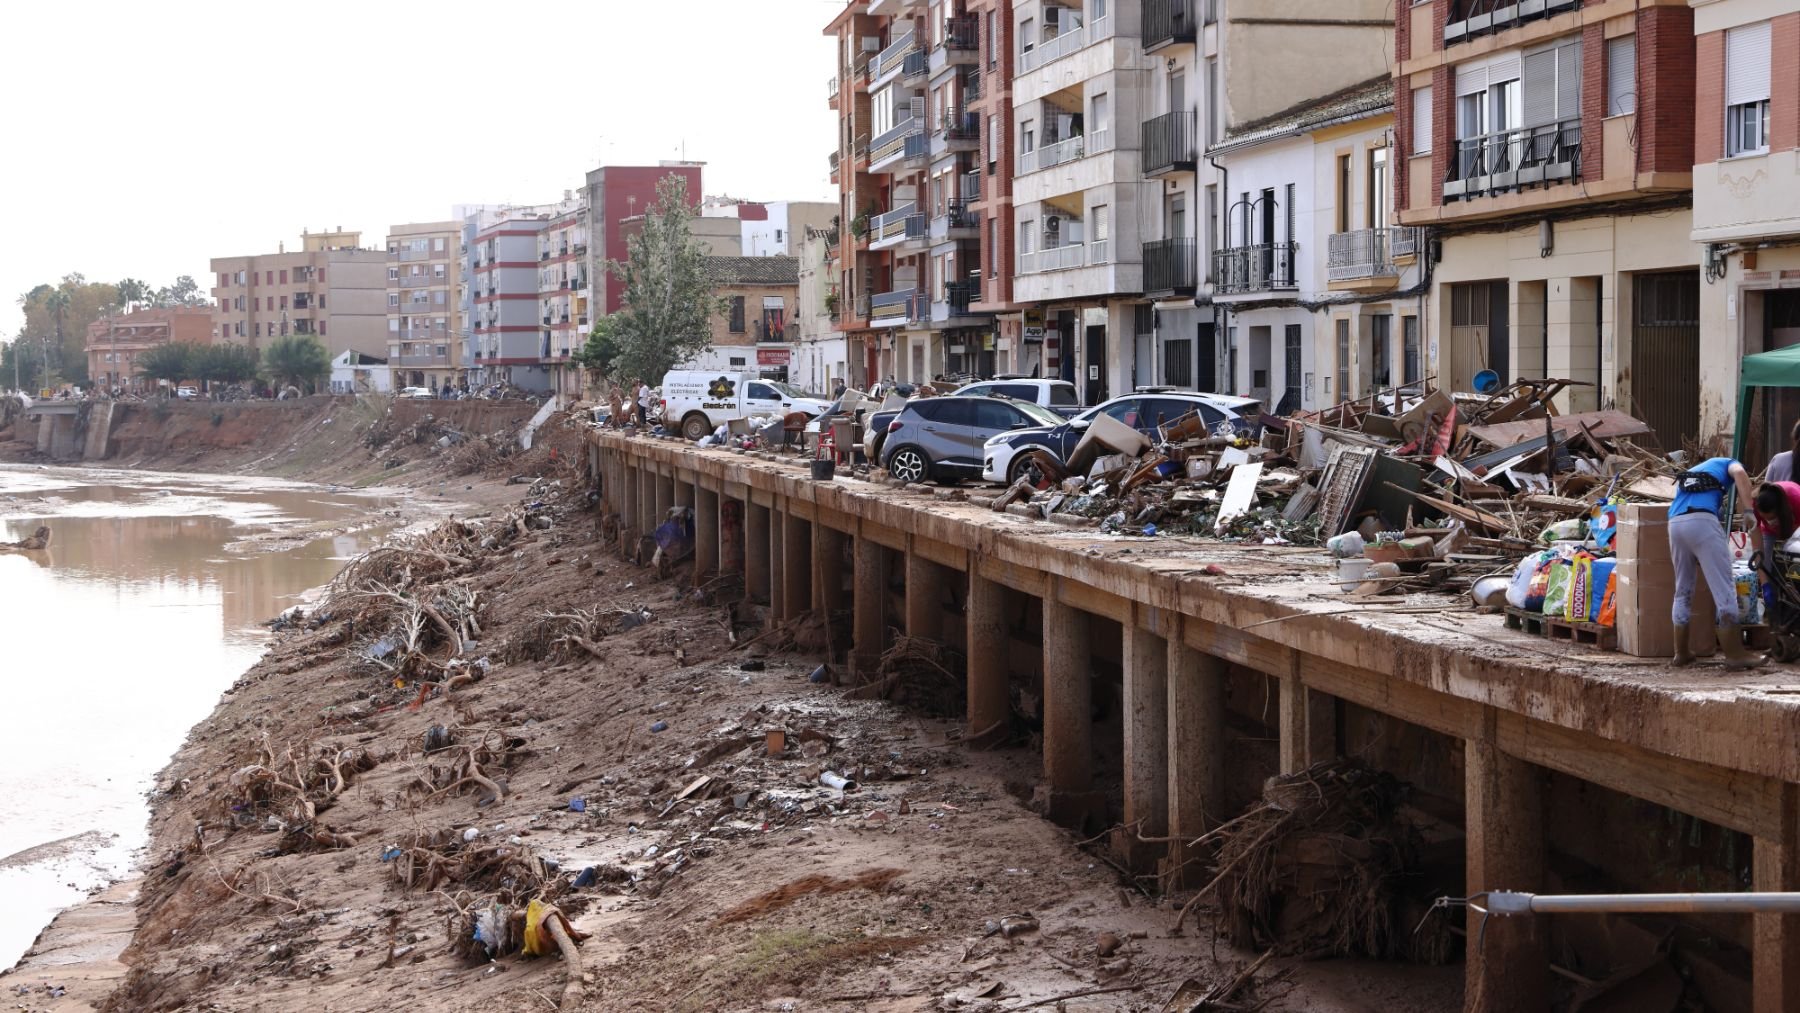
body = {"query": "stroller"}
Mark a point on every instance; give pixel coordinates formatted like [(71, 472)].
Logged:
[(1780, 571)]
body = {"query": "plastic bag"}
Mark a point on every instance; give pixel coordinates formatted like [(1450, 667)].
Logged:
[(1609, 605), (1556, 588), (1600, 587), (1749, 594), (1573, 530), (1604, 522), (1581, 581), (1518, 593)]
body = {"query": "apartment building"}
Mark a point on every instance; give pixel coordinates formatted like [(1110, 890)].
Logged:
[(331, 288), (506, 294), (1747, 204), (610, 196), (114, 342), (564, 295), (1549, 149), (425, 324), (821, 355), (766, 228)]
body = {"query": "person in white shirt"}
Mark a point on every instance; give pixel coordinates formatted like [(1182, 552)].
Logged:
[(1781, 466)]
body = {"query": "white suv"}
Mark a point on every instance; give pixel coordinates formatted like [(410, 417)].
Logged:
[(1059, 396)]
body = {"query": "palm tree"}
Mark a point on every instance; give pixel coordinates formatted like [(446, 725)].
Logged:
[(297, 360), (57, 303), (132, 292)]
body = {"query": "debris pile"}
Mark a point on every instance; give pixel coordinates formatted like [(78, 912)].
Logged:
[(1322, 868)]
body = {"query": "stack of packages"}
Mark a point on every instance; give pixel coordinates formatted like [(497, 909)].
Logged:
[(1575, 579), (1646, 578)]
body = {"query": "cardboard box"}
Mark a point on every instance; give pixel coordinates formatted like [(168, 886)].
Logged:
[(1645, 597), (1643, 533)]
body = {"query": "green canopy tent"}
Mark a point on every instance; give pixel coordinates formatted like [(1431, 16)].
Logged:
[(1780, 368)]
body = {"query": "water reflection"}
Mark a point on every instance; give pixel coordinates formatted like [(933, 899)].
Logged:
[(120, 636)]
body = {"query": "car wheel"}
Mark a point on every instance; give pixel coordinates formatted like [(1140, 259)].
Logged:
[(1016, 470), (695, 426), (909, 465)]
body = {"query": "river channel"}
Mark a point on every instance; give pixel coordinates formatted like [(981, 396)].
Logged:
[(116, 640)]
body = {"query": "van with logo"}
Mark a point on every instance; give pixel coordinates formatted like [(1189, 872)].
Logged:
[(699, 401)]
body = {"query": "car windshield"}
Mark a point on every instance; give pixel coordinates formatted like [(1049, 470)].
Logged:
[(788, 389), (1037, 413), (1063, 394)]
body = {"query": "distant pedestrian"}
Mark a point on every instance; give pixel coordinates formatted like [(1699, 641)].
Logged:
[(643, 404)]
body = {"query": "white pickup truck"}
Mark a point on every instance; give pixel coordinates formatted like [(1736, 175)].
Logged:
[(700, 401)]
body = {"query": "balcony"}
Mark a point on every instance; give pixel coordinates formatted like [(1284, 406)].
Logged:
[(303, 300), (1513, 159), (413, 255), (1072, 41), (1367, 254), (896, 228), (421, 281), (892, 59), (833, 159), (768, 334), (1169, 143), (831, 91), (895, 309), (1267, 267), (1470, 18), (898, 148), (959, 294), (1170, 268), (916, 65), (1169, 23), (581, 249), (406, 361), (962, 37), (957, 222), (1053, 154), (1056, 258)]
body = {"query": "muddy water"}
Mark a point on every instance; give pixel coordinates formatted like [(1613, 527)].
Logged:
[(118, 638)]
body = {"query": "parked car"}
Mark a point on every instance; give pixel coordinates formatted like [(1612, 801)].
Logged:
[(417, 392), (1144, 411), (699, 401), (1060, 396), (186, 393), (941, 438)]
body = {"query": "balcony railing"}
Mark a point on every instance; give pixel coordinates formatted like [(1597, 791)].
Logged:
[(960, 32), (896, 226), (1363, 253), (1071, 41), (767, 333), (861, 306), (1511, 159), (407, 255), (957, 214), (893, 56), (890, 308), (1167, 22), (1469, 18), (303, 300), (831, 88), (916, 64), (1170, 267), (959, 294), (1056, 258), (897, 143), (1053, 154), (1261, 268), (960, 125), (421, 281), (1405, 242), (1168, 143)]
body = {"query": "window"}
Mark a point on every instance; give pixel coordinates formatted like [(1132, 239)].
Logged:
[(268, 277), (1421, 122), (393, 325), (321, 328), (1346, 186), (1747, 90), (437, 244), (284, 302), (1378, 188), (256, 330), (257, 303), (1101, 215), (997, 415), (1027, 137), (1212, 228), (284, 277), (993, 142), (393, 299), (1100, 120), (1343, 360), (1212, 100), (1411, 368), (393, 274), (993, 234), (1027, 236), (437, 270), (1621, 75), (737, 314), (1381, 330), (993, 39), (1553, 83), (1027, 32)]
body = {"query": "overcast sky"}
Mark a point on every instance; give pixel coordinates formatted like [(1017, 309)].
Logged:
[(144, 139)]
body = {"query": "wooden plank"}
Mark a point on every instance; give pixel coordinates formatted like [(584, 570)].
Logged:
[(1606, 424), (1742, 801)]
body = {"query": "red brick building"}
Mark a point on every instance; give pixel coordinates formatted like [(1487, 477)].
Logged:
[(115, 342)]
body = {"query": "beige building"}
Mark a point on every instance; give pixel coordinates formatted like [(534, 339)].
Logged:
[(331, 288), (757, 330), (425, 326)]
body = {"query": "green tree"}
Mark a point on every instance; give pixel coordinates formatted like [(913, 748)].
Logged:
[(59, 315), (602, 347), (184, 292), (225, 363), (668, 300), (133, 292), (299, 360), (173, 362)]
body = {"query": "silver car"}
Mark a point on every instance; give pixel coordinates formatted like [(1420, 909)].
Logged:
[(940, 439)]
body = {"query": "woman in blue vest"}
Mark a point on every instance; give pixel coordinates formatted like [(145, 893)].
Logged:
[(1698, 544)]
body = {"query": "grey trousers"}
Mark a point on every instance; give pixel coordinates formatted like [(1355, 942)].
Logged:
[(1697, 543)]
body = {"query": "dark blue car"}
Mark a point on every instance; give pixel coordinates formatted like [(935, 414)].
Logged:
[(1003, 462)]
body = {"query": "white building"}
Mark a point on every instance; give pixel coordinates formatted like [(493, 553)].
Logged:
[(821, 351), (355, 372)]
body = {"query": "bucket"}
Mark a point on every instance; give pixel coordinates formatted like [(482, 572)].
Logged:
[(1487, 381), (1350, 572), (823, 469)]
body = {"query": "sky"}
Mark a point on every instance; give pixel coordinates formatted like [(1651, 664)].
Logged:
[(142, 140)]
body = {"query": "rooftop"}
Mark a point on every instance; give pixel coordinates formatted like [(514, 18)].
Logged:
[(1370, 98), (753, 270)]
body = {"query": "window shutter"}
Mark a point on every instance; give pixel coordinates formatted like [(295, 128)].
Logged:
[(1747, 64), (1540, 88), (1621, 75), (1568, 81), (1101, 225), (1421, 124), (1290, 212)]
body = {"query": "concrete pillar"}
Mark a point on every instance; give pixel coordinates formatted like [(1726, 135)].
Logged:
[(796, 568), (777, 560), (869, 624), (1196, 752), (665, 497), (648, 517), (757, 540), (1508, 964), (1068, 713), (685, 495), (827, 569), (990, 701), (924, 598), (1308, 724), (1775, 939), (1146, 658), (706, 534), (731, 535), (629, 506)]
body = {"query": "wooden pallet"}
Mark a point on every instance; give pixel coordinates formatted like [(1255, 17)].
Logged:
[(1556, 628)]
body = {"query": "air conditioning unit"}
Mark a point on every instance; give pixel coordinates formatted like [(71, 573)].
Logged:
[(871, 43), (1053, 17), (1053, 224)]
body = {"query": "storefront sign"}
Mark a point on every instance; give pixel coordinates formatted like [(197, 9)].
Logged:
[(1034, 325), (773, 356)]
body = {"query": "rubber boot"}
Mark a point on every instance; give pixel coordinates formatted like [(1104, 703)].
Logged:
[(1684, 652), (1731, 642)]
